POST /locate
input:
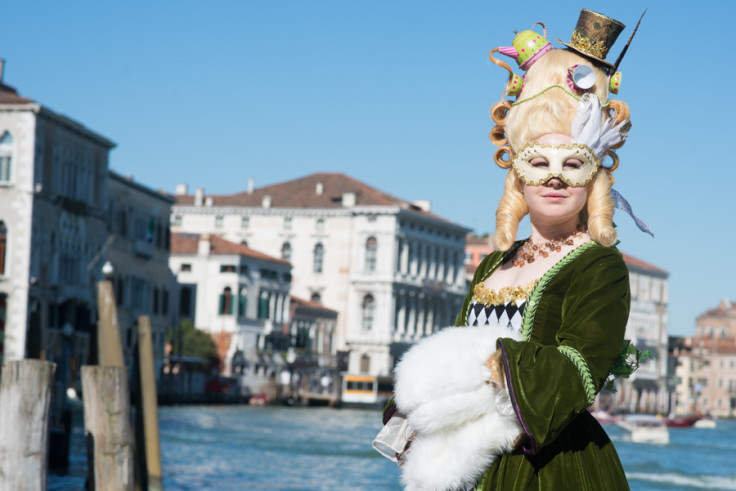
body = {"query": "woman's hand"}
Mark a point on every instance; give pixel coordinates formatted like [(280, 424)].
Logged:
[(497, 374)]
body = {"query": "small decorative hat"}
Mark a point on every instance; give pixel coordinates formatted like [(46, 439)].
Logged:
[(594, 35)]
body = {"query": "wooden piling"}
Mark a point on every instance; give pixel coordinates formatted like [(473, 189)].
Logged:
[(147, 407), (25, 394), (109, 345), (107, 427)]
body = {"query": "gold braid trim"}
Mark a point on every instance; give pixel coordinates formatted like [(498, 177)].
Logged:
[(487, 296)]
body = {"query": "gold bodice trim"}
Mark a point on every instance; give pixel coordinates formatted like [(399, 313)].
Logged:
[(486, 296)]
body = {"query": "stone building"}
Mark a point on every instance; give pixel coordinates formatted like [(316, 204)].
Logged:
[(53, 197), (391, 269), (138, 220), (714, 344), (239, 295), (646, 390)]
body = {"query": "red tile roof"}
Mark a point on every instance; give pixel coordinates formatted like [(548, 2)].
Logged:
[(638, 263), (8, 95), (189, 244), (303, 193)]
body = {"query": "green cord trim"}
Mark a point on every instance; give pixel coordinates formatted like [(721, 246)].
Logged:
[(565, 89), (577, 359), (530, 309)]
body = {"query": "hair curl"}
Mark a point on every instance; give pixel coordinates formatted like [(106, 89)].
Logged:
[(598, 212)]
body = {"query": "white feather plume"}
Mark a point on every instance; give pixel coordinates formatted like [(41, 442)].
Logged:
[(590, 129)]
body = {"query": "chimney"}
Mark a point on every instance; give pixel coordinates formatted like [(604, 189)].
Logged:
[(181, 189), (250, 186), (266, 203), (2, 70), (203, 247), (208, 201), (319, 188), (198, 195), (423, 204), (348, 199)]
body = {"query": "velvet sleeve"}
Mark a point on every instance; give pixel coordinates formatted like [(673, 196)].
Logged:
[(550, 384)]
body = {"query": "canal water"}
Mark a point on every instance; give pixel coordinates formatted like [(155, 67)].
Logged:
[(286, 448)]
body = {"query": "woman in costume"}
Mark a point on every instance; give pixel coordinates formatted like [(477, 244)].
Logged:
[(558, 301)]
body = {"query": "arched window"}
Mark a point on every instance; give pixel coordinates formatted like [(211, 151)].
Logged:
[(6, 156), (319, 257), (371, 246), (226, 301), (365, 364), (369, 306), (316, 297), (286, 251), (3, 246)]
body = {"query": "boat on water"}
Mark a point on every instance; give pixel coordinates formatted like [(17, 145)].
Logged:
[(706, 422), (645, 428), (604, 417), (681, 421)]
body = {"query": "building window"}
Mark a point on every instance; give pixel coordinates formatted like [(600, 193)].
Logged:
[(219, 220), (286, 251), (320, 225), (365, 364), (186, 268), (242, 303), (228, 268), (155, 300), (371, 246), (316, 297), (287, 223), (6, 157), (369, 305), (185, 301), (245, 222), (3, 246), (319, 257), (226, 302), (177, 221), (263, 300), (164, 301)]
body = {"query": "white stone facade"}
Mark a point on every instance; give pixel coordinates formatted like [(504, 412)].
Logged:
[(52, 204), (237, 295), (392, 271)]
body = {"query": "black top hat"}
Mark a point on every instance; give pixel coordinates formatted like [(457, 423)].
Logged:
[(594, 35)]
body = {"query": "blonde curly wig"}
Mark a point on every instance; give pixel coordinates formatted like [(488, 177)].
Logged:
[(552, 111)]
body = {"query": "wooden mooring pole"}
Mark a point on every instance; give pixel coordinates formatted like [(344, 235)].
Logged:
[(107, 427), (25, 394), (147, 408)]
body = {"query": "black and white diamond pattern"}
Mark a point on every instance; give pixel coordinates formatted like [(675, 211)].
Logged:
[(505, 315)]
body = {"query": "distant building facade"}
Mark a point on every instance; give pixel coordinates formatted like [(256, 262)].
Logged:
[(140, 239), (646, 390), (476, 249), (391, 269), (239, 295), (714, 344), (53, 197)]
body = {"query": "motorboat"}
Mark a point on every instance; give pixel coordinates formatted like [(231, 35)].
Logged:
[(645, 428), (706, 422), (681, 421), (604, 417)]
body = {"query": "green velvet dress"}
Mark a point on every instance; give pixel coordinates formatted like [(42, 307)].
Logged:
[(572, 330)]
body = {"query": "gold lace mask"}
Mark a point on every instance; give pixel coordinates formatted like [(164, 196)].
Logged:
[(573, 164)]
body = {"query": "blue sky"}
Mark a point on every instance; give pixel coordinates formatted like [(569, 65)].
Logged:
[(393, 93)]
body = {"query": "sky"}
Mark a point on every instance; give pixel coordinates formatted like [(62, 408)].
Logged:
[(395, 94)]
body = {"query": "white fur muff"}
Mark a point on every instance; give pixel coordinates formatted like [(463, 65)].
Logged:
[(461, 421)]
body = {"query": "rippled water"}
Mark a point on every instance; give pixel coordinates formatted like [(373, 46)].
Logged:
[(243, 447)]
